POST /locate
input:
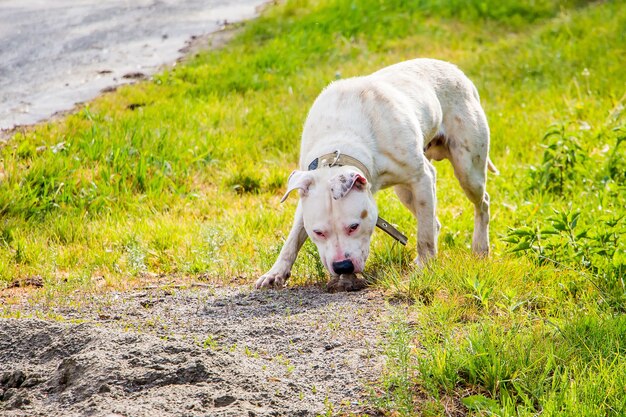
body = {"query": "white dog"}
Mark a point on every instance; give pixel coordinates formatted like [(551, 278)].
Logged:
[(367, 133)]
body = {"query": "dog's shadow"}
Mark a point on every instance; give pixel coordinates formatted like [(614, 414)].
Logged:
[(289, 301)]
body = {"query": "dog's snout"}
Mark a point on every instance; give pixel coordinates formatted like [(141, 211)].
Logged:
[(343, 267)]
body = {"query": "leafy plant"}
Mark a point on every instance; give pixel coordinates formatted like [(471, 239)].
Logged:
[(564, 163), (616, 164), (588, 234), (480, 291)]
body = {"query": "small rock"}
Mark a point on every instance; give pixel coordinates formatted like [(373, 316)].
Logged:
[(224, 401), (331, 346), (134, 76), (13, 379), (32, 281), (30, 382), (8, 394)]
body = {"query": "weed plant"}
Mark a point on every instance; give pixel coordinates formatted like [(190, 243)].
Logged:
[(182, 175)]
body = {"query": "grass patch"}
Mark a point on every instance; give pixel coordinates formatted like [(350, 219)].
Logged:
[(503, 338), (182, 175)]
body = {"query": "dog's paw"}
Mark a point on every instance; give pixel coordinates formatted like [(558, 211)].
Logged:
[(422, 262), (272, 280), (345, 282)]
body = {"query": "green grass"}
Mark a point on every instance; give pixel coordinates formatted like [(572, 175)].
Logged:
[(504, 337), (182, 175)]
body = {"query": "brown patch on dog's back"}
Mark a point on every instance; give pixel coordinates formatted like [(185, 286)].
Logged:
[(374, 94), (364, 214)]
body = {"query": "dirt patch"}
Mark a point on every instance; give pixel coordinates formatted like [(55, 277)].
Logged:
[(216, 352)]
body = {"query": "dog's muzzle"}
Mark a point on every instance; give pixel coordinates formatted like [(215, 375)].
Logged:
[(343, 267)]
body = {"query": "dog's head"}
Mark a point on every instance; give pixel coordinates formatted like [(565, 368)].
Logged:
[(339, 215)]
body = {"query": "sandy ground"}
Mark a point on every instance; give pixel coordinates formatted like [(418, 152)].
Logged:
[(196, 352), (168, 352), (54, 54)]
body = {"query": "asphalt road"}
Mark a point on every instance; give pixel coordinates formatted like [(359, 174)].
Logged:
[(56, 53)]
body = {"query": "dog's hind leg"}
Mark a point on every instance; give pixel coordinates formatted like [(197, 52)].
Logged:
[(468, 145), (281, 270), (420, 198)]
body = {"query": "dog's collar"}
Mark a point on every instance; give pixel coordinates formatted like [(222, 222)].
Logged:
[(338, 159)]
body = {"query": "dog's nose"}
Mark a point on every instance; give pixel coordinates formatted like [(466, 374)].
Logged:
[(343, 267)]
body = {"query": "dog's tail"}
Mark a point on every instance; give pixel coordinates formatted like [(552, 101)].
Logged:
[(492, 167)]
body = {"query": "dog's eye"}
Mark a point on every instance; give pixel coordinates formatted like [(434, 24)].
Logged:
[(354, 226), (318, 233)]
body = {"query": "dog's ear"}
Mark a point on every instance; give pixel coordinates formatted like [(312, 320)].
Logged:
[(300, 180), (342, 184)]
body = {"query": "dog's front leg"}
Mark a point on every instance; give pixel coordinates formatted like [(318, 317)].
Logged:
[(281, 270), (421, 199)]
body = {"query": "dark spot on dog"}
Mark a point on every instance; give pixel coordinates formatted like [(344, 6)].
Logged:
[(364, 214), (375, 94), (424, 247)]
